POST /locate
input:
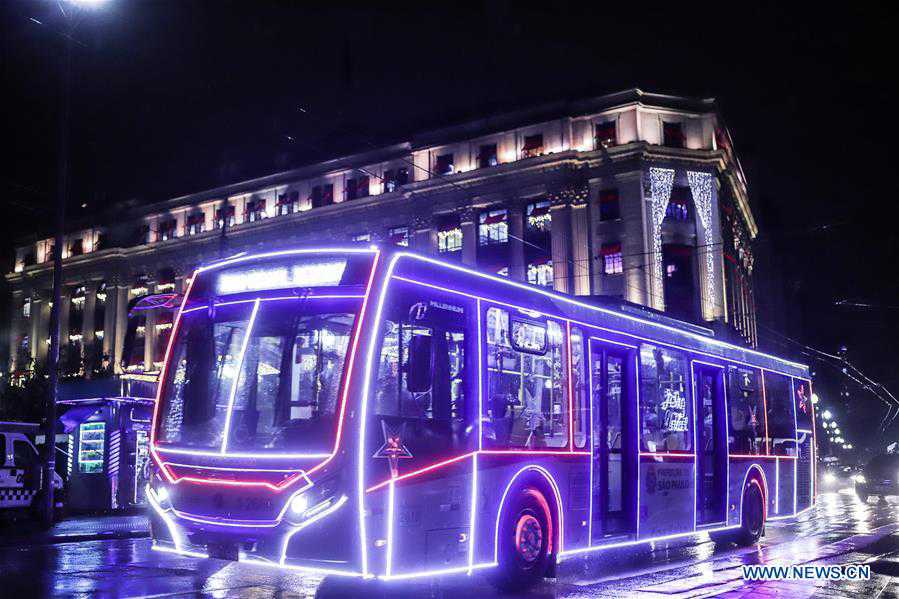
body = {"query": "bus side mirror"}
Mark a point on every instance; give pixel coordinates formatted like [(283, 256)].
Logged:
[(421, 364)]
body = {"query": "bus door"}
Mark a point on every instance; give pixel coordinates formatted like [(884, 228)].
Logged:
[(614, 456), (712, 445)]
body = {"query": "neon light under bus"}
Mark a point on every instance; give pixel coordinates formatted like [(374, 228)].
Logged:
[(489, 475)]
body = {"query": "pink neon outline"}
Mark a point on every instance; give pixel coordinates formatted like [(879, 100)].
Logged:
[(765, 408), (348, 372), (559, 507), (762, 456), (570, 388), (658, 454), (272, 299)]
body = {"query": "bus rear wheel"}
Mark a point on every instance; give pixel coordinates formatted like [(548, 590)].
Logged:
[(525, 542), (753, 522)]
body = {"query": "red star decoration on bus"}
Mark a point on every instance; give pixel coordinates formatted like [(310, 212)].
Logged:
[(393, 449)]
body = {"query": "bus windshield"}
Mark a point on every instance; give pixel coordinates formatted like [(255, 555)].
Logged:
[(275, 366)]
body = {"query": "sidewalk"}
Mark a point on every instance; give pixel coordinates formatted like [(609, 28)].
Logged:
[(76, 529)]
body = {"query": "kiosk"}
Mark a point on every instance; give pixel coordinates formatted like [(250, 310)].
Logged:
[(107, 422)]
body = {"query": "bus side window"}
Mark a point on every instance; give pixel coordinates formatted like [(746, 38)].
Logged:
[(746, 430), (802, 398), (579, 388), (780, 414), (421, 375), (665, 410), (527, 389)]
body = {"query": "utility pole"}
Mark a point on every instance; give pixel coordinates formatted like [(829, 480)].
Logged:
[(62, 196)]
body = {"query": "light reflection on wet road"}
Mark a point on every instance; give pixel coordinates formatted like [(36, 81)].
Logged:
[(841, 530)]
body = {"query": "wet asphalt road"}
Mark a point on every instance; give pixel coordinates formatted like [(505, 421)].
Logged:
[(841, 530)]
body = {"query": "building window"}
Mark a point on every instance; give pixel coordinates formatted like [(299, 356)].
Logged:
[(673, 135), (26, 308), (322, 195), (288, 203), (168, 229), (609, 204), (539, 218), (255, 210), (220, 217), (362, 238), (605, 135), (449, 235), (76, 248), (487, 156), (533, 146), (356, 187), (679, 205), (395, 177), (541, 273), (196, 223), (611, 258), (445, 164), (494, 227), (399, 236)]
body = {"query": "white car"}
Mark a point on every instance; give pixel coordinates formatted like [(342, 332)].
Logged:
[(20, 472)]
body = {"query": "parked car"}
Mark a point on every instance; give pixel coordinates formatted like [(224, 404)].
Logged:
[(879, 478), (21, 474)]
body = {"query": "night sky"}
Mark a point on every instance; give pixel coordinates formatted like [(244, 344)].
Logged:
[(175, 97)]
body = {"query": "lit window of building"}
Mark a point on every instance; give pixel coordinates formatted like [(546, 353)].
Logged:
[(322, 195), (288, 203), (679, 205), (487, 156), (611, 258), (362, 238), (605, 134), (539, 217), (533, 146), (449, 238), (609, 205), (196, 223), (394, 178), (76, 248), (399, 236), (168, 229), (493, 227), (673, 135), (356, 187), (445, 164), (220, 217), (541, 273), (26, 308), (255, 211)]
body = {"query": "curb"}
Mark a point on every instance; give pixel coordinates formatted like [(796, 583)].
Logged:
[(60, 539)]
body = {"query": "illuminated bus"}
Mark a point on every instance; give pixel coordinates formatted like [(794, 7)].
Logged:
[(372, 412)]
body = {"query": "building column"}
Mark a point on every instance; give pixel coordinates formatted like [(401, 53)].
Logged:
[(468, 224), (149, 331), (517, 267), (120, 324), (423, 235), (15, 329), (40, 316), (90, 302), (561, 245), (580, 246), (64, 308)]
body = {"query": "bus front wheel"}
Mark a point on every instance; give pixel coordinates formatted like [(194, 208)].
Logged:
[(525, 541)]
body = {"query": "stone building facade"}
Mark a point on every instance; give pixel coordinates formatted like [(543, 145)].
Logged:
[(634, 195)]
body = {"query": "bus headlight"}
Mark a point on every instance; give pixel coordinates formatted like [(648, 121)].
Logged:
[(299, 504), (830, 478)]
